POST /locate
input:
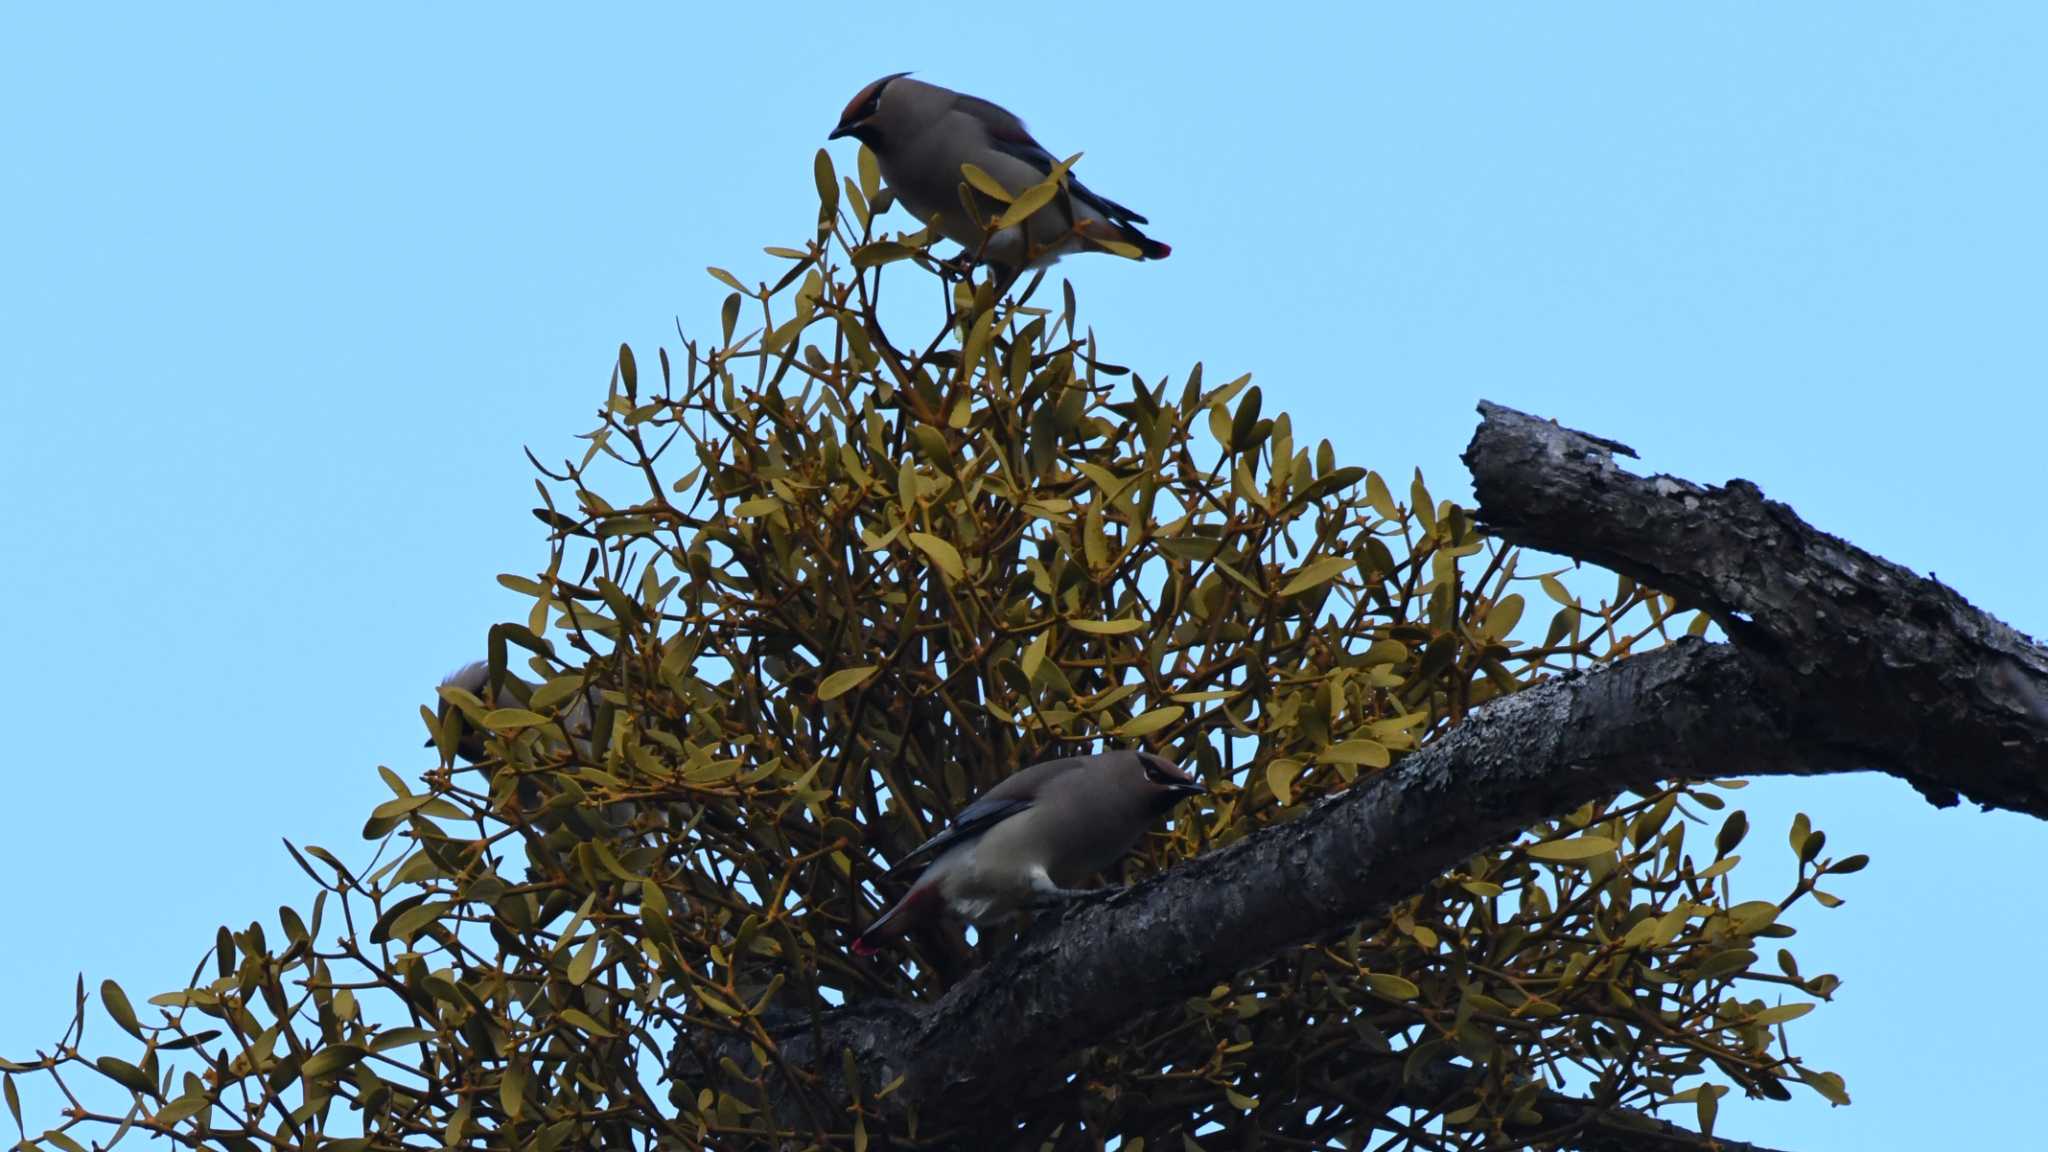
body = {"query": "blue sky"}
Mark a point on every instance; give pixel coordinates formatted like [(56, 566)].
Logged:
[(283, 294)]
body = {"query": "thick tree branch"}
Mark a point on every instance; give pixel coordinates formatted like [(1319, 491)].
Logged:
[(1843, 662), (1689, 711), (1873, 655)]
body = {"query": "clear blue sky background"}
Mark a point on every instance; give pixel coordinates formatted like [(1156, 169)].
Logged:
[(282, 295)]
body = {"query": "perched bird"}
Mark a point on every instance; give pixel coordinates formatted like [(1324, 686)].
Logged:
[(1033, 836), (921, 134), (475, 679)]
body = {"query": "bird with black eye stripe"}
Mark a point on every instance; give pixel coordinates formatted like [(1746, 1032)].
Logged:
[(921, 135), (1028, 840)]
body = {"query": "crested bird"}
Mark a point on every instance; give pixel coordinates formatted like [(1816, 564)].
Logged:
[(1027, 840), (922, 135)]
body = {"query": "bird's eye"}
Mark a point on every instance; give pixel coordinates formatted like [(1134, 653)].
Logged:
[(1156, 774)]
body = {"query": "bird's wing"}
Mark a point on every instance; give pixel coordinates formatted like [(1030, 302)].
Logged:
[(1011, 795), (1007, 134)]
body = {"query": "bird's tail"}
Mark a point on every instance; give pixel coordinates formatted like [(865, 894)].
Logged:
[(1148, 248), (1124, 232), (916, 904)]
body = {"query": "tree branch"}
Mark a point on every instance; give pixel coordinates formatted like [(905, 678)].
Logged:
[(1841, 662), (1876, 656), (1586, 1126)]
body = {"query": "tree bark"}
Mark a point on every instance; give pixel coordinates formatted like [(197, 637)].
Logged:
[(1838, 661)]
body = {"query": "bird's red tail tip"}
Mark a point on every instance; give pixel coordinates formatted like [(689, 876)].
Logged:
[(1160, 251), (861, 947)]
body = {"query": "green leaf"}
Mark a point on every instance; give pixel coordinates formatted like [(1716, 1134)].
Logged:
[(878, 253), (119, 1008), (511, 719), (1781, 1013), (1123, 627), (1314, 573), (328, 1061), (1708, 1103), (1149, 722), (1388, 984), (126, 1074), (1574, 849), (579, 964), (399, 1038), (845, 680), (1419, 502), (183, 1108), (584, 1022), (1732, 831), (941, 552), (828, 190), (512, 1088)]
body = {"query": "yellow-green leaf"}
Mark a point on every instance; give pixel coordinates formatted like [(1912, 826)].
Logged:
[(1034, 198), (1504, 615), (512, 1088), (845, 680), (505, 719), (1121, 627), (1313, 573), (1150, 722), (1370, 753), (1781, 1013), (1280, 775), (328, 1061), (1388, 984), (1576, 848), (879, 253), (1377, 495), (941, 552), (1752, 916), (870, 172), (584, 1022), (984, 183), (1555, 589)]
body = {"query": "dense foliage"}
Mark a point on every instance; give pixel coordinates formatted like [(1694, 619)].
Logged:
[(834, 587)]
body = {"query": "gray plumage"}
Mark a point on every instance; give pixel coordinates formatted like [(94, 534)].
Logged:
[(921, 134), (1030, 839), (515, 692)]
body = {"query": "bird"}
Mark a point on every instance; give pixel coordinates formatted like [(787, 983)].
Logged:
[(921, 135), (475, 678), (1027, 840)]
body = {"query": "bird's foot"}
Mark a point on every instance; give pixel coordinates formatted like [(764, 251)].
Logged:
[(959, 267), (1054, 902)]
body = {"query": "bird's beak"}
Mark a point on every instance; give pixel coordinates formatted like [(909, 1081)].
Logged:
[(842, 130), (1191, 788)]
